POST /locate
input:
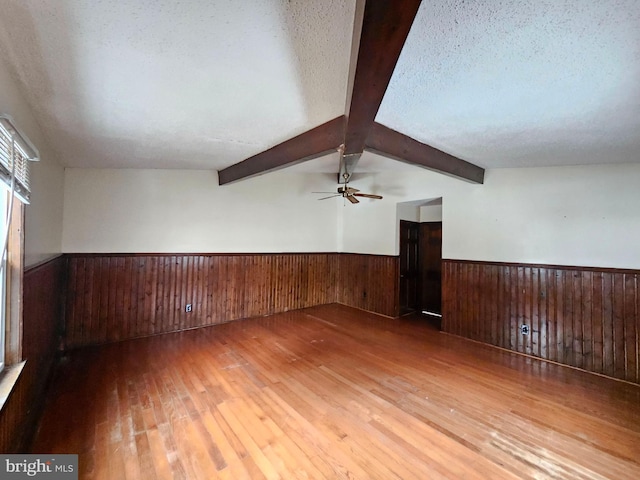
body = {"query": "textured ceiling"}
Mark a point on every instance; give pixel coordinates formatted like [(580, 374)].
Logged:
[(160, 83), (205, 84), (521, 83)]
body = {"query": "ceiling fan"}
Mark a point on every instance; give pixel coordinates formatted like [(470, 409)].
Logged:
[(349, 193)]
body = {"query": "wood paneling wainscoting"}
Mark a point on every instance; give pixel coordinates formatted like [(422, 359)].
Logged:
[(584, 317), (113, 297), (42, 319), (116, 297), (369, 282)]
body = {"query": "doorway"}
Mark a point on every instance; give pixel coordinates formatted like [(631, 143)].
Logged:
[(430, 268), (420, 245)]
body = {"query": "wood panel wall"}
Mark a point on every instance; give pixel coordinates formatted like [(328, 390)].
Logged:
[(370, 282), (115, 297), (42, 319), (584, 317)]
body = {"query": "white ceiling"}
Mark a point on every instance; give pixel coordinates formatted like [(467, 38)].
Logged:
[(515, 83), (205, 84)]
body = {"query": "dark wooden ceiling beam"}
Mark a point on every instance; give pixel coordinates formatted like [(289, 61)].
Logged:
[(306, 146), (398, 146), (385, 26)]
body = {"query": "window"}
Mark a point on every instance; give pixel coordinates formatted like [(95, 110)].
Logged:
[(3, 291), (15, 152)]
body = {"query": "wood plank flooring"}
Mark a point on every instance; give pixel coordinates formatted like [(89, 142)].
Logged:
[(333, 392)]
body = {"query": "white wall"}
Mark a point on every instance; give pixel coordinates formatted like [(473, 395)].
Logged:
[(372, 225), (108, 210), (408, 211), (431, 213), (43, 217), (583, 215)]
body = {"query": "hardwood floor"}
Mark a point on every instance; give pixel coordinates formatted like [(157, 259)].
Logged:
[(333, 392)]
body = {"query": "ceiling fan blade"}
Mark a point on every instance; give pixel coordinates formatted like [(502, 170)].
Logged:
[(352, 199), (334, 193), (368, 195), (331, 196), (349, 190)]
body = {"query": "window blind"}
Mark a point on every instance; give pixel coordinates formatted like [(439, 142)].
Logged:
[(14, 147)]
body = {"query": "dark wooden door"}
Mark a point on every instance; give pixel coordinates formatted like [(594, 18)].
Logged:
[(409, 277), (430, 267)]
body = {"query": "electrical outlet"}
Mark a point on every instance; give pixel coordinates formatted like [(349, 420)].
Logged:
[(524, 329), (188, 308)]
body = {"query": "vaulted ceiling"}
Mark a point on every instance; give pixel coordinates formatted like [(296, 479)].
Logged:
[(206, 84)]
